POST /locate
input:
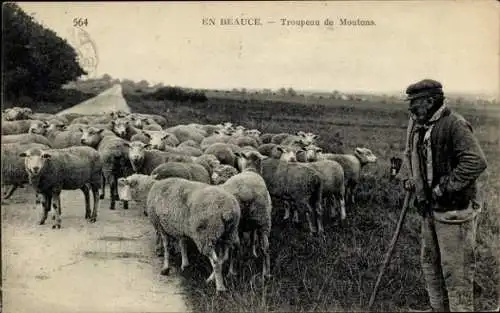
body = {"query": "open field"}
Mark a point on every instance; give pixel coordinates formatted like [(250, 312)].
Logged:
[(308, 274), (339, 275)]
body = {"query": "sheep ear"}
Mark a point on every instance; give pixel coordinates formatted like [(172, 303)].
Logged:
[(300, 133), (112, 122), (315, 136), (46, 155), (100, 130), (154, 176), (147, 134), (358, 150), (66, 128), (80, 129), (23, 154), (165, 136), (239, 154), (280, 148), (126, 144), (147, 146)]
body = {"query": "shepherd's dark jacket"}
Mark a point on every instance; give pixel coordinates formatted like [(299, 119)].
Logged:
[(458, 161)]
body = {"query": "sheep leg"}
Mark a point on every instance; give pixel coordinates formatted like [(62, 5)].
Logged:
[(254, 243), (113, 191), (165, 270), (319, 217), (158, 244), (266, 263), (342, 207), (217, 270), (235, 249), (46, 203), (183, 246), (95, 195), (103, 186), (56, 199), (85, 190), (295, 216), (286, 204), (9, 193), (309, 212)]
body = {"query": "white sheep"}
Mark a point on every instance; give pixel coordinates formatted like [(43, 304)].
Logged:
[(159, 139), (298, 185), (255, 202), (223, 151), (16, 113), (16, 127), (26, 138), (352, 164), (123, 128), (191, 171), (114, 155), (217, 137), (63, 138), (135, 188), (51, 171), (185, 132), (209, 215), (333, 181), (144, 161), (13, 171)]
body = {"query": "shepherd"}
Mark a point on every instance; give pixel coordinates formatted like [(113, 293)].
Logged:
[(445, 162)]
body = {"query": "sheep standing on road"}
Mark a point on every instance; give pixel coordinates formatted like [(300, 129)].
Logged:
[(13, 171), (144, 161), (209, 215), (135, 188), (114, 155), (54, 170), (255, 203)]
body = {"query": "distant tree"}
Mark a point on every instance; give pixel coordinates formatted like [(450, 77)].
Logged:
[(267, 91), (282, 91), (35, 59), (143, 84), (291, 92), (107, 77)]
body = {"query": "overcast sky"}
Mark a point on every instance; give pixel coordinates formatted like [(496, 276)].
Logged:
[(456, 42)]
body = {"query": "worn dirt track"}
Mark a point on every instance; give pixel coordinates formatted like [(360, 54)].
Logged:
[(109, 266)]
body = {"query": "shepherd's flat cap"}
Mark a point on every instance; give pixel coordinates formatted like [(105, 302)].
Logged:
[(424, 88)]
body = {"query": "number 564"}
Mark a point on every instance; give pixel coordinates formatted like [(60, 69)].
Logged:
[(79, 22)]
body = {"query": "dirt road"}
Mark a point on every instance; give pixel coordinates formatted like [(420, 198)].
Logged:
[(108, 266)]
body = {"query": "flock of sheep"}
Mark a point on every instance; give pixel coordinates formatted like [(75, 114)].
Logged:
[(209, 183)]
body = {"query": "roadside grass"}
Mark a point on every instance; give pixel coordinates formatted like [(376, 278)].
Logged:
[(339, 273)]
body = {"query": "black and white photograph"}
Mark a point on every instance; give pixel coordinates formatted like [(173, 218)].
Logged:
[(250, 156)]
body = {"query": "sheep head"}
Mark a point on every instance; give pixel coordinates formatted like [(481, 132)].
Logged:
[(287, 153), (307, 138), (250, 160), (120, 127), (136, 154), (365, 155), (91, 136), (35, 161), (38, 127), (311, 153), (125, 186), (157, 139)]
